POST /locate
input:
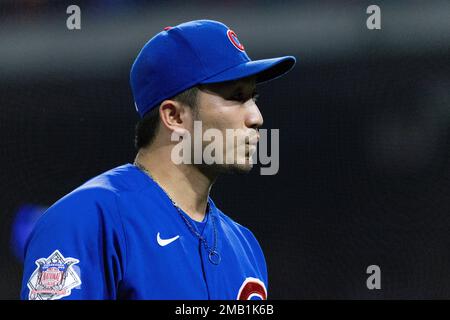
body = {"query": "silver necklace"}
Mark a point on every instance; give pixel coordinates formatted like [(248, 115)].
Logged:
[(213, 255)]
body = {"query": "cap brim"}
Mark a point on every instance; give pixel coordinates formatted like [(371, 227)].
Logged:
[(265, 70)]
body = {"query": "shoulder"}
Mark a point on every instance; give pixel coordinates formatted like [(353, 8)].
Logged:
[(78, 215), (100, 191), (91, 205), (120, 179), (84, 226)]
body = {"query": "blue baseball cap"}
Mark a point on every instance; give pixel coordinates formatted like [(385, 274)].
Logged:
[(192, 53)]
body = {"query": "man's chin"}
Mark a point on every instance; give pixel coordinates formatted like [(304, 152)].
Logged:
[(237, 168), (227, 168)]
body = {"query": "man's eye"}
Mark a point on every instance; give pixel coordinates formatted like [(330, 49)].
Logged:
[(237, 97), (242, 98)]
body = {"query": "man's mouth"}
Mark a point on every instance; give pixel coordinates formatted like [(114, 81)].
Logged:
[(253, 140)]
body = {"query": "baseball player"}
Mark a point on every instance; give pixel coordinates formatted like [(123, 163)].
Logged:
[(148, 229)]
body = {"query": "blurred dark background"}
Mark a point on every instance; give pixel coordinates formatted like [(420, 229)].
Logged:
[(364, 123)]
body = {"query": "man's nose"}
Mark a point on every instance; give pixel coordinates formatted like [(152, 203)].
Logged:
[(254, 118)]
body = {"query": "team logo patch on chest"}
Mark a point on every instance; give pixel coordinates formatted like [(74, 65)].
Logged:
[(54, 277), (252, 289)]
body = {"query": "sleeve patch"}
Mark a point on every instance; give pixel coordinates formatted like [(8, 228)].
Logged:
[(54, 277)]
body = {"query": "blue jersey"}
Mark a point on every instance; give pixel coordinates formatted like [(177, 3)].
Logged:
[(118, 236)]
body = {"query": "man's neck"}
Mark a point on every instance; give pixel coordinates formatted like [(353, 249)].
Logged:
[(185, 184)]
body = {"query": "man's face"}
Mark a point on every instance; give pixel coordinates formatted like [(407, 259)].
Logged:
[(231, 105)]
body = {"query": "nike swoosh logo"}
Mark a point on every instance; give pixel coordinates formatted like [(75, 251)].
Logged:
[(165, 242)]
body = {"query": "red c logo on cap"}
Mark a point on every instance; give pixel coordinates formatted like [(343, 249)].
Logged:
[(234, 40), (252, 287)]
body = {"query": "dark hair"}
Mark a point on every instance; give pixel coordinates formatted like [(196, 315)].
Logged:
[(147, 127)]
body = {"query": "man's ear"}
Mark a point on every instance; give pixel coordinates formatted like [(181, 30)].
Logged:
[(174, 115)]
